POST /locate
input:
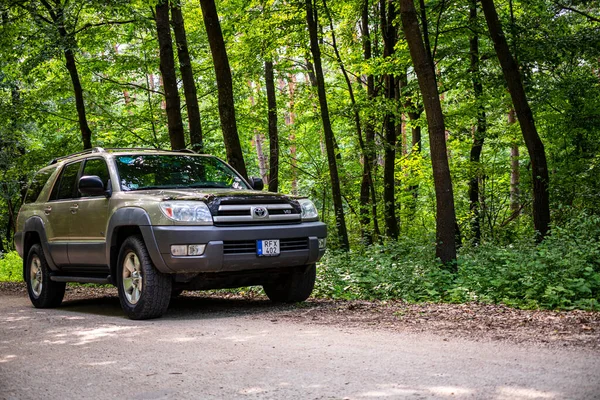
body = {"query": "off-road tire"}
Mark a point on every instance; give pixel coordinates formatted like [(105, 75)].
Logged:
[(155, 290), (43, 292), (292, 287)]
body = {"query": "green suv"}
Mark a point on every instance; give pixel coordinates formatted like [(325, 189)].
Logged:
[(155, 223)]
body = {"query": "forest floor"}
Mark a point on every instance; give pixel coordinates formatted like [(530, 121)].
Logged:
[(473, 321)]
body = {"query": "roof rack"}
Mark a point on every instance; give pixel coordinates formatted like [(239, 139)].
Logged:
[(88, 151), (113, 149)]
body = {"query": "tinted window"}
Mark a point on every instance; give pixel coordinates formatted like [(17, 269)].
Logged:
[(37, 184), (97, 166), (66, 184), (153, 171)]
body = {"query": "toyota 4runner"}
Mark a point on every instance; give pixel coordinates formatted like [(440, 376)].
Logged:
[(155, 223)]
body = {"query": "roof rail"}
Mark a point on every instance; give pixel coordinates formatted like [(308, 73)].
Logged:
[(88, 151)]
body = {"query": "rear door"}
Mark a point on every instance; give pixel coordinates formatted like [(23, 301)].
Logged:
[(59, 212)]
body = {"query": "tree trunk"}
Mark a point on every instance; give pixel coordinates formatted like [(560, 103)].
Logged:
[(480, 129), (445, 214), (311, 19), (289, 121), (363, 211), (233, 147), (187, 77), (167, 70), (388, 14), (273, 135), (367, 187), (515, 173), (535, 147)]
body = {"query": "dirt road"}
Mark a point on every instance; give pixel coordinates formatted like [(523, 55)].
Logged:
[(223, 349)]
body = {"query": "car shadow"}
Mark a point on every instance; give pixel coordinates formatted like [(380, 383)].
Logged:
[(187, 307)]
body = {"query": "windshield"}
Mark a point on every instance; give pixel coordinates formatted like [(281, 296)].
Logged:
[(166, 171)]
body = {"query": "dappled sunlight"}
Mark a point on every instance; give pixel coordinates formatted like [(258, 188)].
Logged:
[(511, 393), (101, 363), (11, 318), (7, 358), (449, 391), (178, 340), (91, 335), (253, 390)]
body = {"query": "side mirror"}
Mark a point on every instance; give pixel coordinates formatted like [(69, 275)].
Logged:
[(257, 183), (92, 185)]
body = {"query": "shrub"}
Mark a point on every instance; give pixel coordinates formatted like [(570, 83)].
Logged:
[(11, 267)]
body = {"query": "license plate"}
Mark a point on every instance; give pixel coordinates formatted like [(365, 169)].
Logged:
[(267, 248)]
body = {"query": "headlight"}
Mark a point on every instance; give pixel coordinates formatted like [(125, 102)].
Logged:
[(309, 211), (187, 211)]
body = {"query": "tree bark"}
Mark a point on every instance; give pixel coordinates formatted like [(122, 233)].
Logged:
[(480, 129), (273, 134), (218, 51), (445, 214), (169, 78), (390, 36), (311, 19), (515, 173), (187, 77), (535, 147)]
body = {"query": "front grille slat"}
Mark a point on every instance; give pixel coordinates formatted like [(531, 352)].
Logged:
[(249, 246)]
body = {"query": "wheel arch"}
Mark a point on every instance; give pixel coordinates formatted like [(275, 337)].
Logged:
[(34, 231), (126, 222)]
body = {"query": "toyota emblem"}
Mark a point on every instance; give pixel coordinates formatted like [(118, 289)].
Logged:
[(259, 212)]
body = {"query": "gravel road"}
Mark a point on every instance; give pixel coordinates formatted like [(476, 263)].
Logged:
[(208, 348)]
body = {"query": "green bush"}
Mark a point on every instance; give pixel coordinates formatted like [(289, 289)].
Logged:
[(561, 273), (11, 267)]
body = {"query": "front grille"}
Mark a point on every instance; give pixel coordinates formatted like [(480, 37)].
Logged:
[(256, 214), (249, 246)]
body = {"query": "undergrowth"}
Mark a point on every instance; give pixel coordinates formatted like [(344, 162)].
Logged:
[(561, 273), (11, 267)]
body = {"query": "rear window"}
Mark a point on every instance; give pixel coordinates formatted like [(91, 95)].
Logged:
[(37, 184)]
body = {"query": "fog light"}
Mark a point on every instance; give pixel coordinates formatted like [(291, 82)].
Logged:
[(187, 249), (196, 249), (322, 243), (179, 250)]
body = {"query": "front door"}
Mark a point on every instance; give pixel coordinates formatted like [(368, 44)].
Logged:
[(90, 219)]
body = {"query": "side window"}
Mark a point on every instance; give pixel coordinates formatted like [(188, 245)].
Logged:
[(97, 166), (67, 182), (37, 184)]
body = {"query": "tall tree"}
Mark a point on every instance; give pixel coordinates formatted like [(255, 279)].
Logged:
[(167, 70), (68, 44), (480, 128), (218, 51), (535, 147), (311, 19), (187, 77), (273, 135), (423, 64), (390, 37), (367, 186)]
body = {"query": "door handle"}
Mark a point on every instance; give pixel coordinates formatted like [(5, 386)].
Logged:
[(74, 208), (47, 210)]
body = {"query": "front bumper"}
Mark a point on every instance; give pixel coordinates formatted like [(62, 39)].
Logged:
[(216, 257)]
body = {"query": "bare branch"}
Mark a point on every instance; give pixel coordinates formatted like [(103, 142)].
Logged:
[(128, 84), (88, 25), (588, 16)]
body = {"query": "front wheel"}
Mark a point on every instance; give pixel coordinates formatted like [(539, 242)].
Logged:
[(292, 287), (144, 292), (43, 292)]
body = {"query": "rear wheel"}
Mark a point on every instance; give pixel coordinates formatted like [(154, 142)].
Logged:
[(144, 292), (43, 292), (293, 287)]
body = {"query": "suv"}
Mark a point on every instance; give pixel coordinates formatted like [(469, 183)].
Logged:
[(155, 223)]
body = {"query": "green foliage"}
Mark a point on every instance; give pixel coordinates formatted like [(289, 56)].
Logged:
[(11, 267), (561, 273)]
